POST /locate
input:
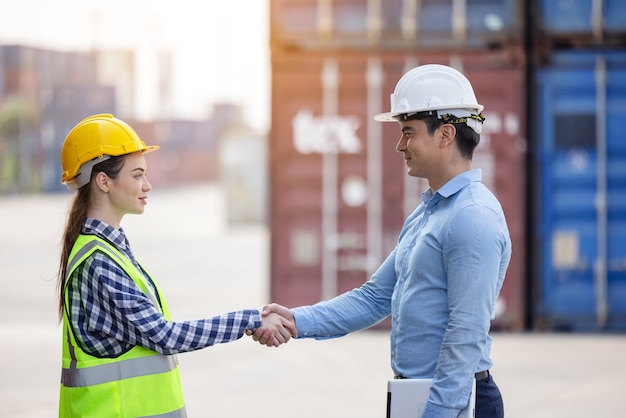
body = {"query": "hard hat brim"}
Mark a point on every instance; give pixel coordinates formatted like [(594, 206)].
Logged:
[(150, 148), (393, 116), (387, 117)]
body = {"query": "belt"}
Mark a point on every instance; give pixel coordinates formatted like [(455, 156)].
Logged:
[(481, 375), (478, 376)]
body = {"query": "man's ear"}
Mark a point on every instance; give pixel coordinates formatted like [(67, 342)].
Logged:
[(102, 181), (447, 132)]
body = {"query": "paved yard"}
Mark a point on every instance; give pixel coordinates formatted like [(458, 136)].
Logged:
[(206, 269)]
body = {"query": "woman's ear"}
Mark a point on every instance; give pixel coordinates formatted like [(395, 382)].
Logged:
[(102, 181)]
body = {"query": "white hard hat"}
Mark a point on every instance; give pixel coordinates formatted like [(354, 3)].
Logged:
[(434, 88)]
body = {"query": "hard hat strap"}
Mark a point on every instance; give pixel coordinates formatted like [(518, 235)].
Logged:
[(449, 118), (473, 121), (84, 173), (452, 116)]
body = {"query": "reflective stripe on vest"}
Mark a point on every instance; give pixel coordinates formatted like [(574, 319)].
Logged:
[(125, 369), (174, 414)]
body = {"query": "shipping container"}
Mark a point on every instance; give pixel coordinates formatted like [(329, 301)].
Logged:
[(372, 24), (189, 150), (576, 17), (55, 90), (49, 67), (339, 192), (579, 190)]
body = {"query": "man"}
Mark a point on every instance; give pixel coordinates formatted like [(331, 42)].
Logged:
[(441, 282)]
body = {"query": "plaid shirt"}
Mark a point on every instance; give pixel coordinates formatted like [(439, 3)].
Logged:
[(110, 314)]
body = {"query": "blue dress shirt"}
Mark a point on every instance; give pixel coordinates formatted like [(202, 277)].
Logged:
[(439, 285)]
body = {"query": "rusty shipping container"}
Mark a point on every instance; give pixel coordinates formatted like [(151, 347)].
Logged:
[(339, 192)]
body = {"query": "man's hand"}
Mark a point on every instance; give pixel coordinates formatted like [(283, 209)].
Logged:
[(278, 326)]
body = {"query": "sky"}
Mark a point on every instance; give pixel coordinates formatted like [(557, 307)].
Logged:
[(220, 49)]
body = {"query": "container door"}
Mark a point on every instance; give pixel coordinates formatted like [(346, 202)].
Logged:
[(583, 155)]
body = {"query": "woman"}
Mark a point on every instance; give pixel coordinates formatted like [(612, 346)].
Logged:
[(119, 343)]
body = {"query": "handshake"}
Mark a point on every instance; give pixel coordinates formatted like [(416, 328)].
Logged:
[(278, 326)]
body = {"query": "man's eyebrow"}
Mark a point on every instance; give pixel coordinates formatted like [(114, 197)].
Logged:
[(407, 129)]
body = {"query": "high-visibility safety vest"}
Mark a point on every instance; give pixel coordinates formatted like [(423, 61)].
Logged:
[(138, 383)]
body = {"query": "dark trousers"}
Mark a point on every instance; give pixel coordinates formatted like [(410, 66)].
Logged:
[(488, 399)]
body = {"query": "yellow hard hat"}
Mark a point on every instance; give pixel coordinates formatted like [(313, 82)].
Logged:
[(93, 140)]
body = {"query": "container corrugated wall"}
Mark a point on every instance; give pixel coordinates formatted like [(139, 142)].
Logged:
[(578, 80), (570, 17), (580, 158), (339, 190), (394, 24)]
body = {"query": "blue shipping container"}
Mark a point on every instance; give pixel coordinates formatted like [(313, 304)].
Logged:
[(399, 23), (583, 16), (582, 176)]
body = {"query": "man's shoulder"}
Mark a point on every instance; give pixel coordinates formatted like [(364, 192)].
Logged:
[(476, 193)]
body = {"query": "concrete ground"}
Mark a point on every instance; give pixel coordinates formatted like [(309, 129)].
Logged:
[(206, 269)]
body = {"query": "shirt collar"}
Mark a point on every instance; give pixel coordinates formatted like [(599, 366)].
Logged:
[(455, 184), (103, 230)]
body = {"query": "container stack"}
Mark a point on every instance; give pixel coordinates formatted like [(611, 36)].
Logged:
[(578, 164), (43, 94), (339, 191)]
